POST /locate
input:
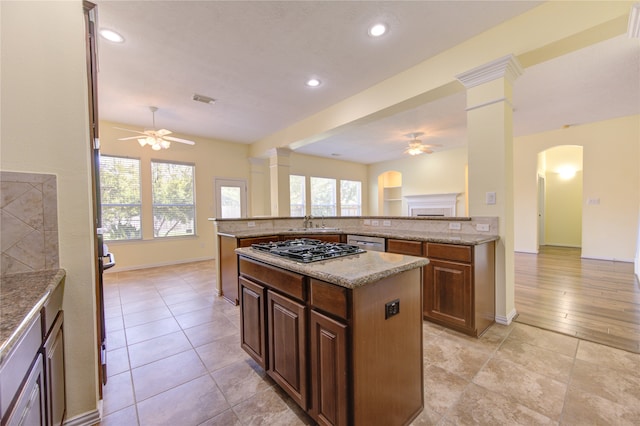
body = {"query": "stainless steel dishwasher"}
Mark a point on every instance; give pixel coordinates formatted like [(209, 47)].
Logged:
[(366, 243)]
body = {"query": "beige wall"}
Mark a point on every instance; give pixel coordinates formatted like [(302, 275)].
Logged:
[(44, 118), (610, 173), (437, 173), (211, 158)]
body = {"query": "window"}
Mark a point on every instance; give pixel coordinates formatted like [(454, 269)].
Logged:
[(120, 198), (350, 198), (297, 194), (174, 208), (323, 196), (231, 198)]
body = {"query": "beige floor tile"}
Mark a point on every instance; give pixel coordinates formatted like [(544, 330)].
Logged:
[(442, 389), (158, 348), (608, 356), (226, 418), (200, 316), (533, 390), (561, 343), (608, 383), (151, 329), (484, 407), (190, 306), (455, 356), (241, 380), (143, 304), (116, 339), (539, 360), (188, 404), (427, 417), (117, 361), (146, 316), (156, 377), (583, 408), (126, 417), (221, 353), (266, 408), (118, 393), (114, 323), (211, 331)]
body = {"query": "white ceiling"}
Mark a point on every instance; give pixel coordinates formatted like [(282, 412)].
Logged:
[(254, 57)]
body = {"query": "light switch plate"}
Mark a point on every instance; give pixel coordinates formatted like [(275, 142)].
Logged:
[(386, 223), (251, 224), (483, 227), (367, 222), (375, 223), (455, 226), (491, 197)]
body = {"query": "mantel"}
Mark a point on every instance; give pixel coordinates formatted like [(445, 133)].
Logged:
[(432, 204)]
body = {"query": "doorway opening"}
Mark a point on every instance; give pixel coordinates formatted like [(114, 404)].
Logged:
[(231, 198)]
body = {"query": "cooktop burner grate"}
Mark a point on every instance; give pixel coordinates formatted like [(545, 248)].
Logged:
[(307, 250)]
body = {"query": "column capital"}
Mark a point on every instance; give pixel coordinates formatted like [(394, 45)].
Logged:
[(507, 67), (279, 152)]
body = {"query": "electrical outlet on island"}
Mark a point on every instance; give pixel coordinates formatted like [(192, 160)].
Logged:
[(455, 226)]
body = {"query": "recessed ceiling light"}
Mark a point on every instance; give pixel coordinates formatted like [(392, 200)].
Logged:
[(313, 82), (111, 35), (377, 30)]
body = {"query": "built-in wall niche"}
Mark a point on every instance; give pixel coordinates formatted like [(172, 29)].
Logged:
[(432, 205), (390, 193)]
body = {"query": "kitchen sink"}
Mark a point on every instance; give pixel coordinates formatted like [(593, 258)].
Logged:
[(314, 229)]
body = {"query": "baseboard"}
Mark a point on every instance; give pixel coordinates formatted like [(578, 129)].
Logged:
[(155, 265), (508, 319), (89, 418), (527, 251)]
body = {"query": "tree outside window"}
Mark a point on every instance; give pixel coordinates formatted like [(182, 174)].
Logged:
[(120, 198), (173, 188), (350, 198), (323, 196)]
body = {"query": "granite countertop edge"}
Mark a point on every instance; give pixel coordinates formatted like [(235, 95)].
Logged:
[(464, 239), (22, 296), (385, 265)]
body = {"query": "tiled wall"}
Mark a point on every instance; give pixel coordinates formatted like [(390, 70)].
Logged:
[(28, 222)]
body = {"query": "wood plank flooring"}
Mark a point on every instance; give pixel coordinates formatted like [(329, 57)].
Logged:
[(594, 300)]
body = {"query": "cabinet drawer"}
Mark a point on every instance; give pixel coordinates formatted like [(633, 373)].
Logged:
[(51, 308), (287, 282), (449, 252), (411, 248), (329, 298)]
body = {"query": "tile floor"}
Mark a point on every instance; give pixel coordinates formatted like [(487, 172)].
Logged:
[(174, 359)]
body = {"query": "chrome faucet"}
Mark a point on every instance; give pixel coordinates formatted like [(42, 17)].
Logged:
[(307, 222)]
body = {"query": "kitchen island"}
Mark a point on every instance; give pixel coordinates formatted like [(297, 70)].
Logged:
[(343, 337)]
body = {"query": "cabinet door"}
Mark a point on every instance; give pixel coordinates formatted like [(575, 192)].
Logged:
[(328, 349), (252, 325), (448, 294), (29, 409), (287, 344), (54, 373)]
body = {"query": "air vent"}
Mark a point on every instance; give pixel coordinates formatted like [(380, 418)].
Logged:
[(203, 99)]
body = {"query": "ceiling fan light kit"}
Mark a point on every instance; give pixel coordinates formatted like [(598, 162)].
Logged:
[(416, 147), (156, 139)]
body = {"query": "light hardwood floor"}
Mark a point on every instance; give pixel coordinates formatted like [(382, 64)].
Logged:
[(593, 300)]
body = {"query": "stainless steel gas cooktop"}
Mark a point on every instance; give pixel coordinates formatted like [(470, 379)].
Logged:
[(307, 250)]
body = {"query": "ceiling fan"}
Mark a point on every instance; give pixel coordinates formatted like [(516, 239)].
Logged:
[(156, 139), (416, 147)]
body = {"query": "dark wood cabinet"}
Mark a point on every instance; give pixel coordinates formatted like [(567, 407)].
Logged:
[(331, 348), (286, 328), (252, 325), (411, 248), (459, 286), (228, 262), (328, 370)]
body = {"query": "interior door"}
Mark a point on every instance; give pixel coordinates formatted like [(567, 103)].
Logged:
[(231, 198)]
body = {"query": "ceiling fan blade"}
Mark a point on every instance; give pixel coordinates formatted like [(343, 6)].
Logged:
[(163, 132), (174, 139), (130, 138), (129, 130)]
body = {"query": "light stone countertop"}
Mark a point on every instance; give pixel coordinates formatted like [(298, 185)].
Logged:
[(348, 271), (432, 237), (21, 298)]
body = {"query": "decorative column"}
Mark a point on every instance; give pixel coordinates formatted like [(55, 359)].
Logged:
[(279, 163), (490, 164), (259, 185)]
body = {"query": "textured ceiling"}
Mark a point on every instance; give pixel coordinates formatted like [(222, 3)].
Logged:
[(254, 58)]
